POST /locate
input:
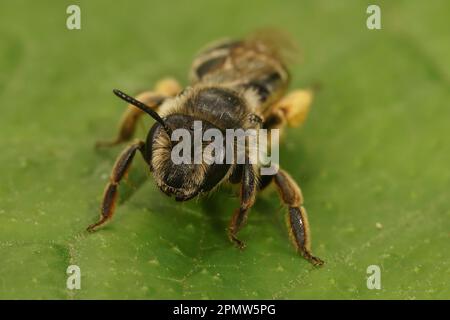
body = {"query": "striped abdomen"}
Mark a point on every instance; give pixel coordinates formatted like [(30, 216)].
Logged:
[(243, 64)]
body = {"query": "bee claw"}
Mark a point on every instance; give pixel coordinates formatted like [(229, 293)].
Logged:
[(91, 229), (238, 243), (315, 261)]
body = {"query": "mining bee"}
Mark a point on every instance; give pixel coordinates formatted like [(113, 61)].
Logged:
[(233, 84)]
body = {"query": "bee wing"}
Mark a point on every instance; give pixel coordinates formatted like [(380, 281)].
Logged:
[(276, 43)]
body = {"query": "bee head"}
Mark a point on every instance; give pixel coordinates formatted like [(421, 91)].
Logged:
[(187, 178)]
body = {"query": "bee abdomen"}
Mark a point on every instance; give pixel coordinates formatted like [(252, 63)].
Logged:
[(242, 65), (265, 86), (212, 59), (209, 66)]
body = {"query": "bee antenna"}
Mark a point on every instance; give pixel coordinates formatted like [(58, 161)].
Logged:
[(152, 113)]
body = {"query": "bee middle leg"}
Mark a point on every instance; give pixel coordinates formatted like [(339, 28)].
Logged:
[(120, 169), (164, 88)]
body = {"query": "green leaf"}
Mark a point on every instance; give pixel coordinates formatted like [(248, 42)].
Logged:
[(372, 160)]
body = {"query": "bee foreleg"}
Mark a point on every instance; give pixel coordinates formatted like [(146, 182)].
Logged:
[(248, 191), (120, 169), (163, 89), (297, 219)]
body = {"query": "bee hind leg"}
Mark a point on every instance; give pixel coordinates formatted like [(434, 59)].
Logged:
[(292, 109), (110, 194), (164, 88)]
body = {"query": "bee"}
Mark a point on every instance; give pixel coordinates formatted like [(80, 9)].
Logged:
[(233, 84)]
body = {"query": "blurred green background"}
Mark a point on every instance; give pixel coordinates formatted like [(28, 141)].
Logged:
[(375, 150)]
